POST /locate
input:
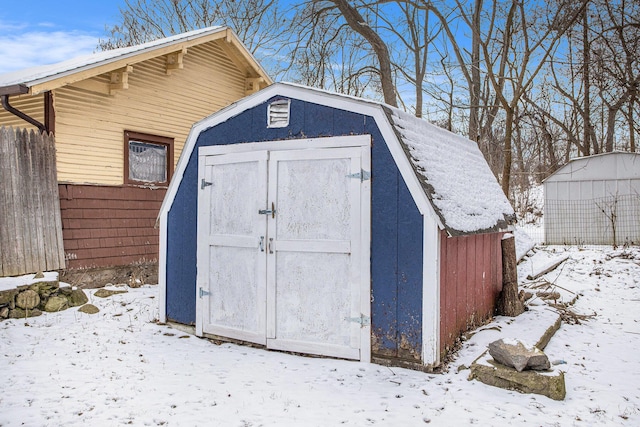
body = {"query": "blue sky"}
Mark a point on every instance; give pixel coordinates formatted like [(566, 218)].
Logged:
[(43, 32)]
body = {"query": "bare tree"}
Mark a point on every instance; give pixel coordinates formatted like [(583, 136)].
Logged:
[(617, 60), (323, 52), (258, 23), (413, 35), (515, 49), (357, 23)]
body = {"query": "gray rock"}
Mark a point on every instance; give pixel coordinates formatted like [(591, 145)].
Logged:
[(89, 309), (538, 362), (104, 293), (7, 296), (4, 312), (77, 297), (27, 299), (39, 275), (66, 291), (18, 313), (56, 303), (518, 356)]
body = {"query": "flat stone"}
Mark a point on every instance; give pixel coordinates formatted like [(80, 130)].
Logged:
[(89, 309), (77, 297), (56, 303), (27, 299), (104, 293), (550, 384)]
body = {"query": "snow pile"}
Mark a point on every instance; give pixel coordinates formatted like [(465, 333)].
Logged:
[(524, 243), (464, 189), (119, 367)]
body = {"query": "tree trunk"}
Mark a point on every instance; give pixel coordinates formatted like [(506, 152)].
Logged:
[(586, 82), (632, 126), (474, 89), (509, 302), (611, 119), (506, 165)]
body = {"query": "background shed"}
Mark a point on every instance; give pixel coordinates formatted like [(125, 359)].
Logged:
[(594, 200), (313, 222)]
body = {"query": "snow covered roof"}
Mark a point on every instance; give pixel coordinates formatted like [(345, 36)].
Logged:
[(29, 77), (454, 174), (619, 165), (446, 173)]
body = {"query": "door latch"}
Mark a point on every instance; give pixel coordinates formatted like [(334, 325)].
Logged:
[(271, 211), (362, 320), (261, 244)]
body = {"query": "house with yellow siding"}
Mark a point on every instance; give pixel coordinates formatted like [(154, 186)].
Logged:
[(120, 120)]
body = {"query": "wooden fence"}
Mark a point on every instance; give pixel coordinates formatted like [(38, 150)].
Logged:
[(30, 224)]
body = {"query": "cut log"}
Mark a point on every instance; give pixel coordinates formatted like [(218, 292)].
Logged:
[(509, 302)]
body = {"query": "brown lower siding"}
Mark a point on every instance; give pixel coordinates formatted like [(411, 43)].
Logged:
[(471, 279), (106, 226)]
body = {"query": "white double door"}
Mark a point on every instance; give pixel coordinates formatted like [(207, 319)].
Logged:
[(283, 237)]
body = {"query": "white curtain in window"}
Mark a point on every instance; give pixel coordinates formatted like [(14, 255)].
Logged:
[(147, 162)]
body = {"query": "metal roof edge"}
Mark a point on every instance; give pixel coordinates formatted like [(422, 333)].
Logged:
[(585, 158)]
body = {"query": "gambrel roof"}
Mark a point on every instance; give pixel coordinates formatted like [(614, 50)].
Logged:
[(446, 173), (48, 77)]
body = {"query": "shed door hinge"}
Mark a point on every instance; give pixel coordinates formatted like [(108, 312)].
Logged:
[(362, 320), (363, 175), (204, 183), (202, 293)]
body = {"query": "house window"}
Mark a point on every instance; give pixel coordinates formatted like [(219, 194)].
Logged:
[(148, 159), (278, 113)]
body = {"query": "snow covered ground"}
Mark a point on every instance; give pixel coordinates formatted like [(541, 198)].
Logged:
[(119, 367)]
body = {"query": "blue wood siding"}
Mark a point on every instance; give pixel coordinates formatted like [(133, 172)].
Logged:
[(396, 235)]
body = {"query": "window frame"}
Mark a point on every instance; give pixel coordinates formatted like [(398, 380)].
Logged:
[(148, 139)]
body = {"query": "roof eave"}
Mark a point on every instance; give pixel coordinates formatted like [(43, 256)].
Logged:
[(253, 63), (74, 75), (504, 225), (17, 89)]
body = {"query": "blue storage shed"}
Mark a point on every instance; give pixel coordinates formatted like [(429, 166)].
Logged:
[(308, 221)]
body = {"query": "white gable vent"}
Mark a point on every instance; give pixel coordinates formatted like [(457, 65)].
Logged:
[(278, 113)]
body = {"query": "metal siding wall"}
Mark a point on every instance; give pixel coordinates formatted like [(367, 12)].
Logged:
[(396, 237), (574, 192)]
